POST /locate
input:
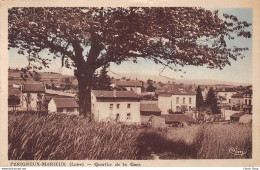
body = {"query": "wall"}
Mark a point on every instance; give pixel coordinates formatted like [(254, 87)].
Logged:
[(102, 112), (33, 103), (187, 103), (52, 106), (227, 95), (165, 103)]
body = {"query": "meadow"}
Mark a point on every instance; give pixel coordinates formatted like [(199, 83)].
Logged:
[(63, 137)]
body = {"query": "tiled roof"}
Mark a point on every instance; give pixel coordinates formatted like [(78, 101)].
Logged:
[(33, 87), (237, 115), (129, 83), (65, 102), (149, 108), (237, 95), (248, 92), (173, 118), (115, 94), (177, 89)]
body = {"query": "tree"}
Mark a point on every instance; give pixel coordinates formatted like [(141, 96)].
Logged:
[(212, 102), (103, 80), (150, 88), (88, 38), (13, 101), (68, 82), (199, 98)]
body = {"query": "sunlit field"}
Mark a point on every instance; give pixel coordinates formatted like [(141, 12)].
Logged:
[(63, 137)]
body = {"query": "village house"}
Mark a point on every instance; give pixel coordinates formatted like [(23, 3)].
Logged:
[(247, 101), (130, 85), (237, 101), (32, 96), (176, 98), (224, 96), (121, 106), (63, 105)]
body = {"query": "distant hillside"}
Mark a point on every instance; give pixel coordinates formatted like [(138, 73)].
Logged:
[(156, 78)]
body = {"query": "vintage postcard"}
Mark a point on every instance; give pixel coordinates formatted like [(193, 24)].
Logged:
[(129, 84)]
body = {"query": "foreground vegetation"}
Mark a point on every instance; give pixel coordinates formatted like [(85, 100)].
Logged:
[(62, 137)]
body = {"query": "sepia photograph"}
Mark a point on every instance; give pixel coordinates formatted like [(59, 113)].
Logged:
[(130, 83)]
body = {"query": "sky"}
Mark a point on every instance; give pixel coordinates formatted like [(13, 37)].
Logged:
[(240, 71)]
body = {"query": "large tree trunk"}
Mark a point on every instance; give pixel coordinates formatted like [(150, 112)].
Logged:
[(84, 85), (84, 97)]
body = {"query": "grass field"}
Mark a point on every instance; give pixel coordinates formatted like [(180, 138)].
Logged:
[(61, 137)]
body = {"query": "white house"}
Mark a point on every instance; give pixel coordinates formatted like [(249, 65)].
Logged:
[(173, 99), (121, 106), (225, 96), (32, 95), (63, 105), (130, 85)]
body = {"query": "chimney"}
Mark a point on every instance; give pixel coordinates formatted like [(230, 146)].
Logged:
[(114, 92)]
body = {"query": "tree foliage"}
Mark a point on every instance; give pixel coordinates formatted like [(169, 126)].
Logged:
[(199, 98), (88, 38), (102, 81), (212, 102)]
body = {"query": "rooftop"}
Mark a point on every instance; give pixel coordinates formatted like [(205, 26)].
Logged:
[(149, 108), (173, 118), (115, 94), (237, 95), (177, 89), (237, 115), (65, 102), (33, 87), (124, 83)]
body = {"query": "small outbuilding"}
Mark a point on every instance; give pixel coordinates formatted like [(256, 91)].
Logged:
[(63, 105), (235, 117), (177, 119), (149, 109)]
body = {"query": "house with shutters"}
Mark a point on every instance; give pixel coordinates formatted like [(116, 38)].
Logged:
[(32, 96), (176, 98), (63, 105), (247, 101), (224, 96), (237, 101), (120, 106)]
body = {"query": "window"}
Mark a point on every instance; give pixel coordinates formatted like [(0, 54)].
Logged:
[(249, 101), (70, 109), (117, 117), (128, 105), (189, 108), (59, 110), (246, 101), (128, 116), (183, 100), (229, 100), (177, 108), (190, 100), (117, 106), (111, 106), (177, 100)]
